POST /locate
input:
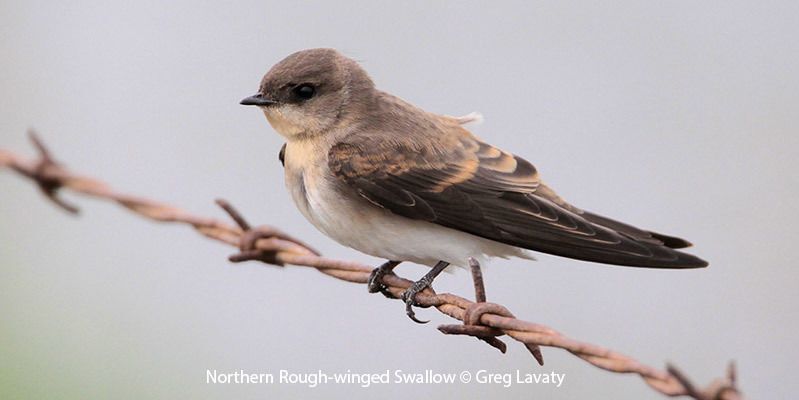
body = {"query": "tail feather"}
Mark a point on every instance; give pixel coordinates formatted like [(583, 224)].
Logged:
[(671, 241), (636, 233)]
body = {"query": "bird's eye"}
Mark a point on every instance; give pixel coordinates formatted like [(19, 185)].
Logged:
[(304, 91)]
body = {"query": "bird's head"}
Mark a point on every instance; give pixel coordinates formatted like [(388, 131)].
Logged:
[(309, 92)]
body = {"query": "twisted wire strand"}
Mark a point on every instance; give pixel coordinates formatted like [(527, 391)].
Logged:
[(485, 321)]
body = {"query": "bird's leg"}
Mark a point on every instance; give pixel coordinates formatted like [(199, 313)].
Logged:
[(375, 283), (409, 296)]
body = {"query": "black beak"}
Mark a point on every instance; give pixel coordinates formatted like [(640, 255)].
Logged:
[(257, 100)]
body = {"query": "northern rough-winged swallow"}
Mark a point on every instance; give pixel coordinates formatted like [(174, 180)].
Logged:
[(384, 177)]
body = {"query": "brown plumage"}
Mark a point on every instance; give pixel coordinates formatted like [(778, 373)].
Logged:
[(477, 188), (361, 159)]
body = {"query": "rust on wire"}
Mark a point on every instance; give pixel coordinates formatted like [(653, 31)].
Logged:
[(483, 320)]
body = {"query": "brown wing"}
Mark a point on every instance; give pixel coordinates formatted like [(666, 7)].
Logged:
[(479, 189)]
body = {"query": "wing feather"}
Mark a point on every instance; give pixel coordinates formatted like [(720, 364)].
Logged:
[(482, 190)]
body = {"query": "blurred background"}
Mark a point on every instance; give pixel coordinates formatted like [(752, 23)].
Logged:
[(679, 117)]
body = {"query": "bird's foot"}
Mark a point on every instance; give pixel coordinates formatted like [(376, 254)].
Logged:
[(375, 283), (409, 297)]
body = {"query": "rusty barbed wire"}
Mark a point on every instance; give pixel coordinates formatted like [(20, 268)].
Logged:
[(482, 320)]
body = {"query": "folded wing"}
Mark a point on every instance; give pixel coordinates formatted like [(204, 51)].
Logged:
[(477, 188)]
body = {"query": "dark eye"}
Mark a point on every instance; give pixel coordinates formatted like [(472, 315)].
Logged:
[(304, 91)]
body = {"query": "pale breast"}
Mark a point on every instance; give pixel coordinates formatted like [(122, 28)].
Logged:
[(313, 190), (302, 169)]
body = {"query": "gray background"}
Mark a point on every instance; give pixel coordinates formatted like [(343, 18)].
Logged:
[(675, 116)]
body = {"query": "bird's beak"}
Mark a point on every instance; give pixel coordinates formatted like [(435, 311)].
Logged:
[(257, 100)]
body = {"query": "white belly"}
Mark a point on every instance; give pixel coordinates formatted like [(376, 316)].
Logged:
[(356, 223)]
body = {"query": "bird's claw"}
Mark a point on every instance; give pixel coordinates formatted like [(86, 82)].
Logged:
[(375, 283), (409, 297)]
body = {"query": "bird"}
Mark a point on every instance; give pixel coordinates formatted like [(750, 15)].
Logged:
[(389, 179)]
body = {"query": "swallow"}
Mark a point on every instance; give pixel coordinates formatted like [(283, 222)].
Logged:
[(389, 179)]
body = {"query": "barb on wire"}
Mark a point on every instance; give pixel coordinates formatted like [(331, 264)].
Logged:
[(49, 186), (483, 320)]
